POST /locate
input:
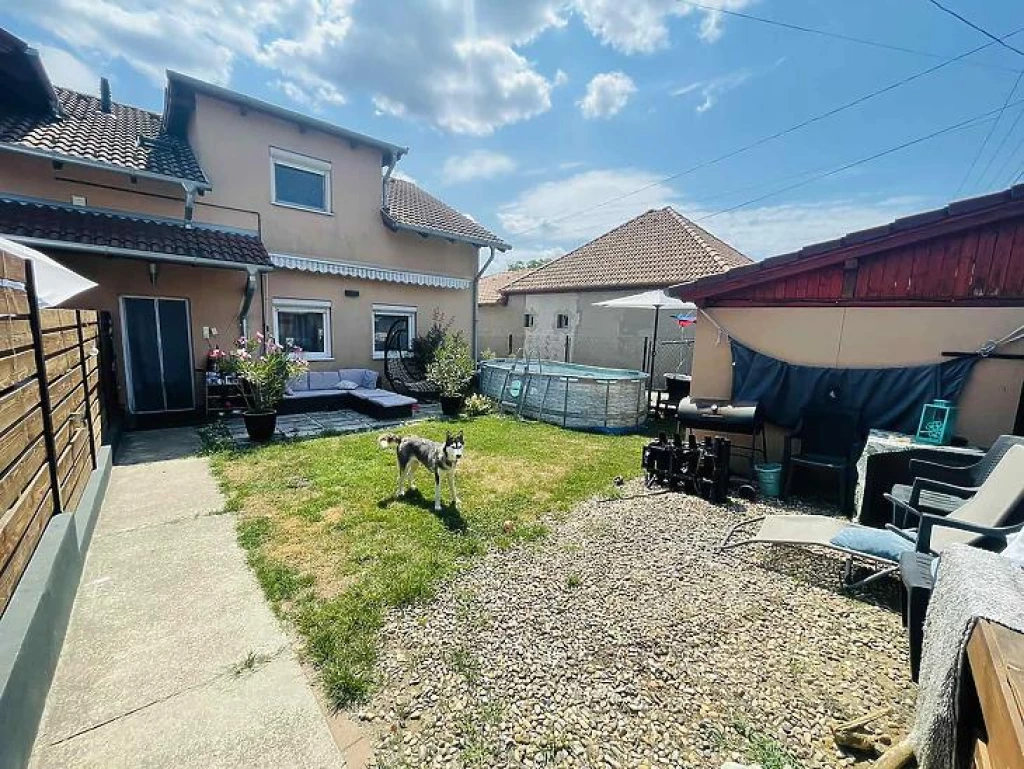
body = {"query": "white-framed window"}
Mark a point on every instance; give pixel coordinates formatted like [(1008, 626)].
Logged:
[(384, 317), (299, 181), (562, 321), (528, 320), (305, 323)]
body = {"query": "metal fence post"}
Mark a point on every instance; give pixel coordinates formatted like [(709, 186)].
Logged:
[(566, 348), (85, 385), (35, 324)]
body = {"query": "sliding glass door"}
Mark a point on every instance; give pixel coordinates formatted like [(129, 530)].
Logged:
[(158, 354)]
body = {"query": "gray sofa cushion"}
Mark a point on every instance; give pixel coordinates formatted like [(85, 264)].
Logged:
[(299, 383), (323, 380), (383, 397)]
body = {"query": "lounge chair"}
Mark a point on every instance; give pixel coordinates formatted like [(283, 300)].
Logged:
[(984, 520), (922, 496)]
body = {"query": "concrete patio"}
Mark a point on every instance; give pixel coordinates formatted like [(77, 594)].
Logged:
[(173, 657), (316, 423)]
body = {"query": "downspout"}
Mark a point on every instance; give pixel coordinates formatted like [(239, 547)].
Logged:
[(384, 183), (190, 204), (476, 311), (251, 282)]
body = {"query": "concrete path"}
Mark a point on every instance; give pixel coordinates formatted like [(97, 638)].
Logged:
[(173, 658)]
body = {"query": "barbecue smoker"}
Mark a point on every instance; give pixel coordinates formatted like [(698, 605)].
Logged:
[(696, 468), (702, 467)]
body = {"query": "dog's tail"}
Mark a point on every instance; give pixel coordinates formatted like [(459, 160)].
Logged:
[(387, 440)]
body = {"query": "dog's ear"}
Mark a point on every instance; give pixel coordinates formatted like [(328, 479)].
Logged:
[(447, 437), (459, 437)]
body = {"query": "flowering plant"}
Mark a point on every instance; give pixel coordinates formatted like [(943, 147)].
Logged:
[(265, 366), (224, 363)]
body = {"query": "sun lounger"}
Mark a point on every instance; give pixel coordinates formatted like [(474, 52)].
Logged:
[(985, 520)]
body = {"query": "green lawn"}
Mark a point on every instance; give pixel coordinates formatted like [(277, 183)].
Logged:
[(333, 549)]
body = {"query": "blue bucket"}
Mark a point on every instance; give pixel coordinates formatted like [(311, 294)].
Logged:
[(769, 478)]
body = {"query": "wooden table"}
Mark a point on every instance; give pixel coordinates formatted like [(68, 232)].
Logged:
[(992, 708)]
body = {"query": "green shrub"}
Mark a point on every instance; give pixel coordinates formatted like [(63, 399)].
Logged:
[(478, 405)]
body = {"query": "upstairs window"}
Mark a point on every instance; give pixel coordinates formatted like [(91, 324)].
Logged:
[(528, 320), (299, 181), (563, 321)]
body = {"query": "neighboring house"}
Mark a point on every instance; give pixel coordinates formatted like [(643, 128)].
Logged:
[(549, 312), (900, 294), (225, 215), (498, 325)]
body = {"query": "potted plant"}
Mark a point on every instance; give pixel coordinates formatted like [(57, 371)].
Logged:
[(451, 371), (264, 368)]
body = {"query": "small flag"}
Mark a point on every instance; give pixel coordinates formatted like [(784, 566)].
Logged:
[(686, 319)]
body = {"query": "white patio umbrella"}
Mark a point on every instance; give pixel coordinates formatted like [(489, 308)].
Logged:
[(55, 283), (656, 300)]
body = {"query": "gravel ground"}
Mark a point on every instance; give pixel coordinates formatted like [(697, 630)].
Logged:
[(623, 640)]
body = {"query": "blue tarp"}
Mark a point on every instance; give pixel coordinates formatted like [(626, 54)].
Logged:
[(887, 398)]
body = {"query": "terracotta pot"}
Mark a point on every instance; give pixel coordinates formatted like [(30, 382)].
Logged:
[(451, 405), (260, 426)]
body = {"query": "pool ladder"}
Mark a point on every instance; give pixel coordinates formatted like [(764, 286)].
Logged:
[(509, 400)]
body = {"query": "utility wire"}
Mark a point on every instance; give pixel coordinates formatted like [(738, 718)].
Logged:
[(836, 35), (972, 25), (999, 149), (988, 135), (1009, 162), (764, 139), (968, 123)]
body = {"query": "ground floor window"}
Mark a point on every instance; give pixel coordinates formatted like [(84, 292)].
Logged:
[(305, 323), (562, 321), (528, 320), (384, 317)]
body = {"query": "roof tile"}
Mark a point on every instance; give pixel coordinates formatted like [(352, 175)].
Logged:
[(103, 229), (492, 285), (126, 136), (658, 248), (412, 208)]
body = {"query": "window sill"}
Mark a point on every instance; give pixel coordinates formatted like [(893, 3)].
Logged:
[(307, 209), (317, 358), (380, 355)]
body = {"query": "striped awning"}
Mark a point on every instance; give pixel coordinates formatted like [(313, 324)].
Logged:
[(368, 272)]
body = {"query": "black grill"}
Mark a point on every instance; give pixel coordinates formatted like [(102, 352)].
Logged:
[(719, 417)]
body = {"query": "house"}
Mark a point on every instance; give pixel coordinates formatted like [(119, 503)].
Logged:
[(909, 292), (497, 323), (549, 311), (222, 216)]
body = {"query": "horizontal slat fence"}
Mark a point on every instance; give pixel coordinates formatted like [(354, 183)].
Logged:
[(51, 415)]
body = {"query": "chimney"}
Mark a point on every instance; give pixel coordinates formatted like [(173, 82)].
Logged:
[(104, 94)]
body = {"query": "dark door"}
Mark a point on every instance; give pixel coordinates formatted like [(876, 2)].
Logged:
[(158, 352)]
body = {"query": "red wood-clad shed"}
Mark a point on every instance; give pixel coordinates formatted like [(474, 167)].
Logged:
[(907, 292)]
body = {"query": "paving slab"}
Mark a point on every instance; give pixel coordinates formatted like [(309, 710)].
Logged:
[(166, 614), (266, 718)]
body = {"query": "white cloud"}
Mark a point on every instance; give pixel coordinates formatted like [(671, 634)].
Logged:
[(67, 70), (607, 93), (400, 174), (454, 64), (561, 78), (711, 90), (572, 211), (478, 164)]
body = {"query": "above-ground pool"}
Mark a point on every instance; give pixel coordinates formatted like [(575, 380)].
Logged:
[(567, 394)]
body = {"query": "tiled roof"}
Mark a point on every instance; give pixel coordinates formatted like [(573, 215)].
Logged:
[(101, 230), (657, 248), (126, 136), (491, 286), (410, 208)]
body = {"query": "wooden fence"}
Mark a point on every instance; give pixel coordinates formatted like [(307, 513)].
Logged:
[(51, 415)]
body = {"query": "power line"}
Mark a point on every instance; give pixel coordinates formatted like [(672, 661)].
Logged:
[(764, 139), (999, 149), (1009, 161), (835, 35), (972, 25), (988, 135), (968, 123)]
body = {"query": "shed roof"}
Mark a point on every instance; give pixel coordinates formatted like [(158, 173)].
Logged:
[(655, 249), (975, 229)]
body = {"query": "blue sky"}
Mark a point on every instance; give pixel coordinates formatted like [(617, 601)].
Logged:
[(528, 114)]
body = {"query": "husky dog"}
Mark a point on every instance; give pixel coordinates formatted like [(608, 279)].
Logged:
[(437, 457)]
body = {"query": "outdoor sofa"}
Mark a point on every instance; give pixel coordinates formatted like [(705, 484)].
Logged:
[(354, 388)]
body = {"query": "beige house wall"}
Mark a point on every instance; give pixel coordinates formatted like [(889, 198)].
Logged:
[(35, 177), (214, 296), (598, 336), (352, 317), (234, 150), (872, 336)]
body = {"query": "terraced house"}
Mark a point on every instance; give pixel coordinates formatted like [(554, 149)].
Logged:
[(222, 215)]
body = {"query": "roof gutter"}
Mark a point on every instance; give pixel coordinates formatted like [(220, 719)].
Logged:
[(478, 242), (134, 253), (97, 164), (476, 310)]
